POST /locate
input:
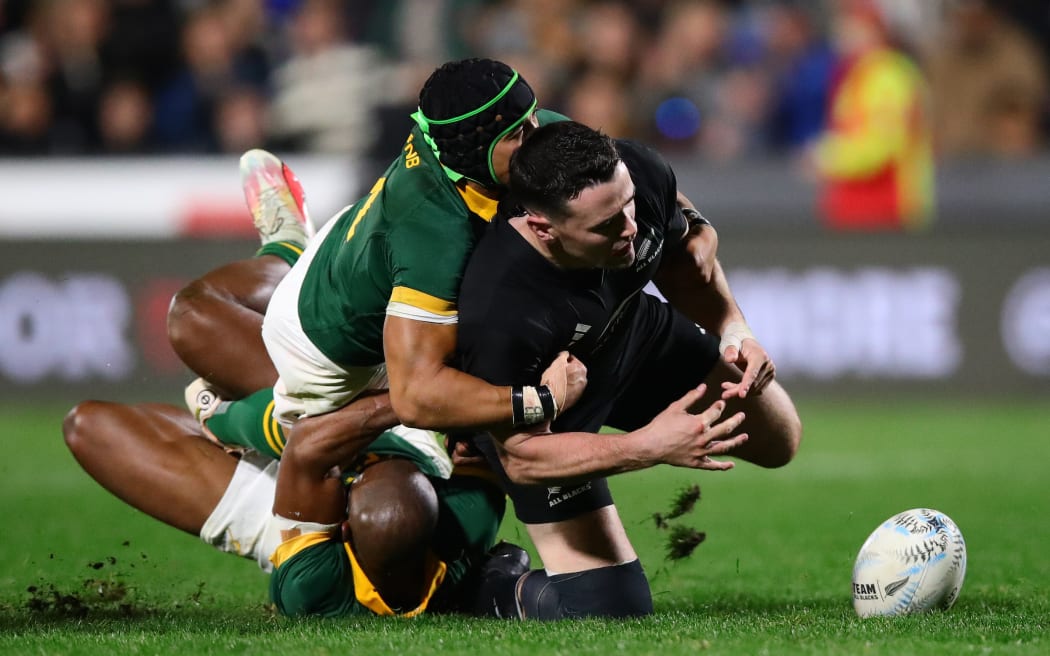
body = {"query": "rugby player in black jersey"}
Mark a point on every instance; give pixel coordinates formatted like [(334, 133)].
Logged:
[(600, 220)]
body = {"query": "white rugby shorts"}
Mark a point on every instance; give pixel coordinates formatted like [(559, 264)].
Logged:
[(242, 522), (309, 383)]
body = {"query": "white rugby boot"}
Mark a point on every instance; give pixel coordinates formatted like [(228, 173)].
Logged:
[(276, 199)]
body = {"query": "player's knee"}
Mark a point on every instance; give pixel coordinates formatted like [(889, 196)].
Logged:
[(617, 591), (782, 444), (790, 429), (80, 427), (187, 312)]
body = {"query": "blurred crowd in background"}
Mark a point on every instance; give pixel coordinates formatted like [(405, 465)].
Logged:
[(723, 79)]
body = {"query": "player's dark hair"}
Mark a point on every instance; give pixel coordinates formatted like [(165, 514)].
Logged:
[(466, 106), (556, 163)]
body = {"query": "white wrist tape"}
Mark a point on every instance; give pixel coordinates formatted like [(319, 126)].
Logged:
[(285, 524), (734, 335), (533, 407)]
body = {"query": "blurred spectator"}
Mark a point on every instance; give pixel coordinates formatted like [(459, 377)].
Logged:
[(25, 118), (124, 116), (73, 33), (989, 85), (240, 120), (724, 79), (679, 74), (542, 30), (800, 63), (736, 118), (600, 71), (186, 108), (609, 40), (25, 103), (599, 99), (875, 158), (687, 49), (327, 92), (142, 41)]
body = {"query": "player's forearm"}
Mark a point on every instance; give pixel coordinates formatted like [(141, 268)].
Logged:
[(336, 438), (305, 494), (448, 399), (568, 458), (708, 303), (307, 490), (428, 393)]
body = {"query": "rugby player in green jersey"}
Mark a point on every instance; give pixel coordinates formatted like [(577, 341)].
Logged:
[(403, 530)]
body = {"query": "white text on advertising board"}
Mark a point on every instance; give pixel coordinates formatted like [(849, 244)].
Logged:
[(73, 328)]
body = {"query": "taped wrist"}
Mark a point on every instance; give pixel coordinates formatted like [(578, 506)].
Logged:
[(734, 335), (532, 405)]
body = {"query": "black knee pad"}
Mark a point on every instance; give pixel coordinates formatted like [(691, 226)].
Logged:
[(614, 591)]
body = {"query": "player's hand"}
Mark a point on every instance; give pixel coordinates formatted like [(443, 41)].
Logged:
[(463, 454), (567, 378), (758, 367), (689, 440)]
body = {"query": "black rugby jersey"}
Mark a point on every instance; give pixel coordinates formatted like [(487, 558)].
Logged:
[(518, 310)]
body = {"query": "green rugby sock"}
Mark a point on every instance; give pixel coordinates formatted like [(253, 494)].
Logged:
[(289, 251), (249, 422)]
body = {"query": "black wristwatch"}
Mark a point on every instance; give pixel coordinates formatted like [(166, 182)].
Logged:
[(694, 218)]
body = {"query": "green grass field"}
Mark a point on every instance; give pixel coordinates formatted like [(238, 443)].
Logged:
[(84, 574)]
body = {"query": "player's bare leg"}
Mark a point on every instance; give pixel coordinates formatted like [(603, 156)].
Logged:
[(152, 456), (771, 422), (215, 325)]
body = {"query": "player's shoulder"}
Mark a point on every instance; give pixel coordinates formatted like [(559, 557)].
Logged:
[(497, 253), (417, 180), (548, 116)]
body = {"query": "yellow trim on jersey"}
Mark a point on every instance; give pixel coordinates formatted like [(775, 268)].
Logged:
[(423, 301), (272, 430), (299, 543), (477, 202), (368, 596)]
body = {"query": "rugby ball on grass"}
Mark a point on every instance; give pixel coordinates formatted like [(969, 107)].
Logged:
[(913, 562)]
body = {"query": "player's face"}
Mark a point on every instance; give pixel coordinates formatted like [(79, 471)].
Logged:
[(599, 231), (508, 144)]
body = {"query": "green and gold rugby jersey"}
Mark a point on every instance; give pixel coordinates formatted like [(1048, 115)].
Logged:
[(400, 250), (318, 573)]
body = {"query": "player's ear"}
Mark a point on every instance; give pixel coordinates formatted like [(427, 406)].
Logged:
[(540, 226)]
